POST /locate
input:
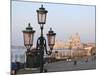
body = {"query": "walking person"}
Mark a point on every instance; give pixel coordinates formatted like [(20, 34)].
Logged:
[(75, 62), (13, 68)]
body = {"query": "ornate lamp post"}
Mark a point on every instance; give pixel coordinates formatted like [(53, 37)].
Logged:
[(28, 35), (41, 41)]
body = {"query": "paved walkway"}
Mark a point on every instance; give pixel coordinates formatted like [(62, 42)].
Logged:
[(23, 71), (64, 66), (69, 66)]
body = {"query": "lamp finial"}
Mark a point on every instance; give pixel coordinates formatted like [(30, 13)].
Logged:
[(42, 6), (50, 29), (28, 24)]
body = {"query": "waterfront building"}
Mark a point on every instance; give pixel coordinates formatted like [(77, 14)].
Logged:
[(74, 42)]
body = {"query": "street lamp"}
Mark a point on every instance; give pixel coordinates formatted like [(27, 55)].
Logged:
[(28, 35), (41, 41)]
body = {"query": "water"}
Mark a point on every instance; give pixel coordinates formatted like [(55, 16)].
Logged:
[(18, 55)]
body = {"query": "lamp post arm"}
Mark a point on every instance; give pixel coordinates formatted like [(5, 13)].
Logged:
[(37, 44), (45, 46), (47, 52)]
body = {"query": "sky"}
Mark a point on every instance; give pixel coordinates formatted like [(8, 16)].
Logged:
[(65, 20)]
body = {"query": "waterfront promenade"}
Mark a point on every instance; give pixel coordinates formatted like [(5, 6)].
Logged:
[(59, 66)]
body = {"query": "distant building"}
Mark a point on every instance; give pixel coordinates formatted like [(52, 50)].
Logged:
[(74, 42), (90, 49), (59, 44), (91, 44), (65, 54), (70, 49)]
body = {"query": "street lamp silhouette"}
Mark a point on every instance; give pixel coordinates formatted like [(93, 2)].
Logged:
[(41, 41)]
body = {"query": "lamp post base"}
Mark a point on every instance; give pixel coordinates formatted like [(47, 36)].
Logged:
[(29, 60)]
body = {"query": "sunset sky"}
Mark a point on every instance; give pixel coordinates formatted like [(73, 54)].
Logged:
[(65, 20)]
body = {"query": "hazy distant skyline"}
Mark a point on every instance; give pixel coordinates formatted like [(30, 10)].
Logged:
[(64, 19)]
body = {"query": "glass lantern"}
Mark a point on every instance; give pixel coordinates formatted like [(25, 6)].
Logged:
[(28, 35), (41, 15), (51, 38)]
